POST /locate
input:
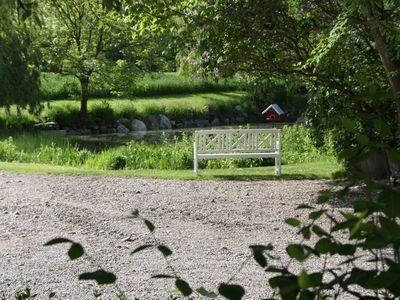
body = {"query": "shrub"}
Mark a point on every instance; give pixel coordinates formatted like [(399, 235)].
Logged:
[(65, 116), (102, 112), (8, 150), (117, 162)]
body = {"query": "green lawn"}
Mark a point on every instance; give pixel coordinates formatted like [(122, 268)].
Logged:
[(315, 170), (169, 105), (186, 106)]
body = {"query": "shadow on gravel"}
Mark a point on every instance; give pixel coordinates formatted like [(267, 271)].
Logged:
[(251, 177)]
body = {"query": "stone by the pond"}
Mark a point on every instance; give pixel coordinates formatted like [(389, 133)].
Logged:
[(158, 122), (122, 129), (47, 126), (215, 122), (138, 125), (202, 123)]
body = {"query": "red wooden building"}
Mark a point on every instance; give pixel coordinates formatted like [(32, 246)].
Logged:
[(273, 113)]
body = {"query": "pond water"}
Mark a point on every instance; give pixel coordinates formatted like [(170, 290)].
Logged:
[(102, 141)]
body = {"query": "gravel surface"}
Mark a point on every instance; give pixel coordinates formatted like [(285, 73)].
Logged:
[(208, 224)]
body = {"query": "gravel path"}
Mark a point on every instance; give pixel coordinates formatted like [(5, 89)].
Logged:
[(208, 224)]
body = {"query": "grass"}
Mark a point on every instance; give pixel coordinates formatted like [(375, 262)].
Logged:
[(204, 105), (56, 86), (172, 105), (303, 171)]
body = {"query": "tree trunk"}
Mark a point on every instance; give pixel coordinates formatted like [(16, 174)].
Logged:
[(84, 94), (392, 67)]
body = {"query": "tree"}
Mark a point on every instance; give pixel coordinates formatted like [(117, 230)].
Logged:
[(19, 72), (345, 48), (75, 36)]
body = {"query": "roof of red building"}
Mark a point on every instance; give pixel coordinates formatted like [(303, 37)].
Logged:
[(275, 107)]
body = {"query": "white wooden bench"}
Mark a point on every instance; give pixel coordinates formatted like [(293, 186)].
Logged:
[(238, 143)]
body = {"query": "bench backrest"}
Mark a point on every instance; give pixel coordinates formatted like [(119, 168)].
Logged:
[(237, 141)]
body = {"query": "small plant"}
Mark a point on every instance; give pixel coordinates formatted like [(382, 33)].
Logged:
[(117, 163), (8, 150)]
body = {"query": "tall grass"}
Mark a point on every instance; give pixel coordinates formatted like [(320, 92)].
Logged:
[(171, 154), (56, 86)]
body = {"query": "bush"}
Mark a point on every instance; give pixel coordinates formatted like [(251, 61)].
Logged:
[(117, 162), (65, 116), (8, 150), (102, 112)]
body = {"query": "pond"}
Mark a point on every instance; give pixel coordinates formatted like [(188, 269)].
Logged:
[(101, 141)]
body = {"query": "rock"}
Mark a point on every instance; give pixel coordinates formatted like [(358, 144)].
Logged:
[(215, 122), (164, 122), (47, 126), (122, 129), (242, 111), (103, 129), (202, 123), (85, 131), (239, 120), (189, 124), (158, 122), (138, 125)]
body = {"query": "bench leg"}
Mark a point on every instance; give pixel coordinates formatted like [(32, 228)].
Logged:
[(278, 168), (196, 166)]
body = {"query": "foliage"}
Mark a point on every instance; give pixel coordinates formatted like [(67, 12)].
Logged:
[(171, 154), (76, 35), (19, 73), (126, 84), (8, 150), (102, 112)]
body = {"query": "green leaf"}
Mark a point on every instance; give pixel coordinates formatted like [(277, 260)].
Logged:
[(346, 249), (287, 284), (273, 269), (231, 291), (394, 155), (360, 276), (382, 280), (297, 252), (306, 281), (305, 232), (363, 205), (319, 231), (324, 197), (140, 248), (382, 127), (52, 295), (293, 222), (75, 251), (165, 250), (258, 254), (149, 225), (135, 214), (324, 246), (307, 295), (304, 206), (183, 287), (349, 124), (162, 276), (362, 139), (390, 201), (100, 276), (315, 215), (58, 241), (208, 294)]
